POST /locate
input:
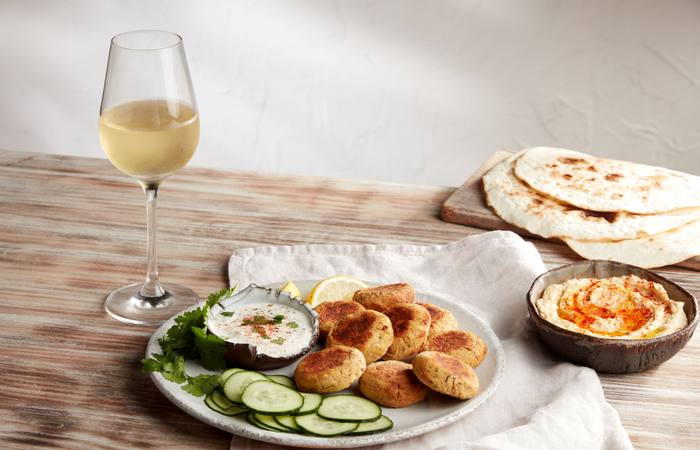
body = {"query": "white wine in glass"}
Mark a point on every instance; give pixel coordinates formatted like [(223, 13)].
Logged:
[(149, 129), (149, 139)]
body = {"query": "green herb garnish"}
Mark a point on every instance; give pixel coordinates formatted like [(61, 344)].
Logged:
[(210, 349), (293, 325), (278, 341), (202, 384), (227, 313), (172, 368), (179, 339), (256, 320), (190, 339)]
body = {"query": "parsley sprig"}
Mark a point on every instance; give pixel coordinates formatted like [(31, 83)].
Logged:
[(189, 339)]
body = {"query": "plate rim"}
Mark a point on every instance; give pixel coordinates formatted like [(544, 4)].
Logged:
[(341, 441)]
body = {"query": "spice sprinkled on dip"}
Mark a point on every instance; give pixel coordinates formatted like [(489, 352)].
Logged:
[(625, 307), (276, 330)]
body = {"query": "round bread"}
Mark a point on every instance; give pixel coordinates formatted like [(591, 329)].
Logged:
[(440, 319), (331, 312), (329, 370), (392, 384), (446, 374), (463, 345), (379, 298), (368, 331), (600, 184), (411, 324), (518, 204), (659, 250)]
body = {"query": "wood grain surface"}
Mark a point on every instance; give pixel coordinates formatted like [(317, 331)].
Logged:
[(72, 229), (467, 206)]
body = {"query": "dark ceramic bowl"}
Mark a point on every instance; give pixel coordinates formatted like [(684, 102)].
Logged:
[(245, 355), (610, 355)]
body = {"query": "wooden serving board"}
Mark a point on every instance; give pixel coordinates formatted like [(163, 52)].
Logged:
[(467, 206)]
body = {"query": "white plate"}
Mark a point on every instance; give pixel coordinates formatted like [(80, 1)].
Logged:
[(429, 415)]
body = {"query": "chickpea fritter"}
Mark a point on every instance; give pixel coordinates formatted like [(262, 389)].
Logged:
[(329, 370), (410, 323), (463, 345), (380, 298), (446, 374), (392, 384), (368, 331), (441, 320), (332, 311)]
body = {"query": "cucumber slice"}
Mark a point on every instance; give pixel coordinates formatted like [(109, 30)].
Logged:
[(250, 417), (349, 408), (236, 383), (315, 424), (382, 424), (268, 397), (232, 411), (287, 422), (270, 422), (311, 403), (283, 380), (227, 373), (220, 399)]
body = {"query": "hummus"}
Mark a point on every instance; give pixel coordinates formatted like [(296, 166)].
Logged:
[(617, 308)]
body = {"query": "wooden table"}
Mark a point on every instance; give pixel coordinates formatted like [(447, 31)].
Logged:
[(72, 229)]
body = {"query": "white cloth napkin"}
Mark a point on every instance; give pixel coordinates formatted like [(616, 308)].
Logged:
[(541, 403)]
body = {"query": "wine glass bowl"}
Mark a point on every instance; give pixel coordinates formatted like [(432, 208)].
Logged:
[(149, 129), (149, 139)]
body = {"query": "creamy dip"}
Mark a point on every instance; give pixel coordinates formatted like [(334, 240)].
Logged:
[(617, 308), (276, 330)]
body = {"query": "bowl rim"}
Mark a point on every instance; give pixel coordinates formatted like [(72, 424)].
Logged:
[(542, 322), (277, 293)]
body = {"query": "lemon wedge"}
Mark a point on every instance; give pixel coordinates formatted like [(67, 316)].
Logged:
[(291, 289), (339, 287)]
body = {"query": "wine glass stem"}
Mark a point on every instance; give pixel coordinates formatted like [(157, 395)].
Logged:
[(151, 287)]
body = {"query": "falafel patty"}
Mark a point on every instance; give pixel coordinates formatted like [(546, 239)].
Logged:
[(392, 384), (441, 320), (329, 370), (379, 298), (463, 345), (446, 374), (410, 323), (332, 311), (368, 331)]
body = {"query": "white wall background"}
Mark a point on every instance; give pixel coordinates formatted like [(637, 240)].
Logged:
[(410, 91)]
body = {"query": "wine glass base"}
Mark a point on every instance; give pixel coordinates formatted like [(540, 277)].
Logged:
[(126, 305)]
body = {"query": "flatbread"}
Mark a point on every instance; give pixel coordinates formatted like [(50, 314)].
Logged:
[(606, 185), (519, 205), (659, 250)]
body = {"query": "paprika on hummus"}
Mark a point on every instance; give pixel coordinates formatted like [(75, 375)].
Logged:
[(625, 307)]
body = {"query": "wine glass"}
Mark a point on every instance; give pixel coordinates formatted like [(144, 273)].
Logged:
[(149, 129)]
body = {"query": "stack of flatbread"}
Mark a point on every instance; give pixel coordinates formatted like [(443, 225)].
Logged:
[(603, 209)]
